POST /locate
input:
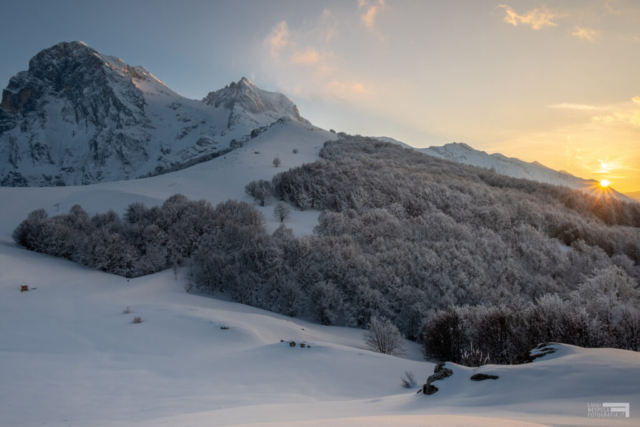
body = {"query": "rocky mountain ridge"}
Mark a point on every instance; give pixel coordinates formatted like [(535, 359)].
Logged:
[(78, 117)]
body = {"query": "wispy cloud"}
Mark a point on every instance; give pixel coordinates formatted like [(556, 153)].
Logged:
[(626, 115), (372, 10), (535, 18), (611, 10), (309, 56), (585, 33), (344, 91), (583, 107), (278, 39)]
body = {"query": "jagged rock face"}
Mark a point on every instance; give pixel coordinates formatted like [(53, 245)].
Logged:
[(69, 96), (80, 117), (245, 97)]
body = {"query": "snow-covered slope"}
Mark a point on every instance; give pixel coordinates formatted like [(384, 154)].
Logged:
[(80, 117), (69, 356), (510, 166), (462, 153), (216, 181)]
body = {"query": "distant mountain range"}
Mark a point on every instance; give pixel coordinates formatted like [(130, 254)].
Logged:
[(535, 171), (635, 195), (77, 116)]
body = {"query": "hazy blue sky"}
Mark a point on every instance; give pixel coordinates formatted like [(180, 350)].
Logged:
[(556, 82)]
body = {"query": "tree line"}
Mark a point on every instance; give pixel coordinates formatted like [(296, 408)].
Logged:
[(402, 236)]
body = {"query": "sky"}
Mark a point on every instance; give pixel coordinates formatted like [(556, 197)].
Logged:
[(556, 82)]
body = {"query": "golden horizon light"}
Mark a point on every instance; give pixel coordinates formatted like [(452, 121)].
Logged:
[(604, 183)]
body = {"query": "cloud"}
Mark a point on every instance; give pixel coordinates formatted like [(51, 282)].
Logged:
[(278, 39), (625, 115), (611, 10), (328, 25), (585, 33), (584, 107), (373, 8), (343, 91), (535, 18), (309, 56)]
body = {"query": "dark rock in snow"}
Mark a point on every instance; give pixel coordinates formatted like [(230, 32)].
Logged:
[(429, 389), (540, 351), (482, 377), (439, 373)]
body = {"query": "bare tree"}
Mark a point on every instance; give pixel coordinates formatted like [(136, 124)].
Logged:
[(384, 337), (282, 211), (277, 162)]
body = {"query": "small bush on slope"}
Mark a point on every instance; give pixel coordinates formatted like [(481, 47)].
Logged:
[(382, 336)]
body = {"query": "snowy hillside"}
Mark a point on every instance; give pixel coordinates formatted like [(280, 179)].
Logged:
[(216, 181), (510, 166), (69, 356), (79, 117)]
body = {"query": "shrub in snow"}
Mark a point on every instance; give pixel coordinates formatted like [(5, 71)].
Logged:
[(282, 211), (137, 319), (383, 336), (408, 380), (127, 310), (277, 162), (295, 151), (473, 357)]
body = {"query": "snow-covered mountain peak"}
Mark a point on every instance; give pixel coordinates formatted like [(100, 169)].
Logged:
[(78, 116), (247, 97), (463, 153)]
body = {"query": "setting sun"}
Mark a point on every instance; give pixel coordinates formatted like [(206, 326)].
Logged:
[(604, 183)]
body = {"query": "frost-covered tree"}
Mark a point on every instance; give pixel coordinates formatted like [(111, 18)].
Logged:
[(277, 162), (445, 336), (383, 336), (326, 302), (282, 211), (260, 190)]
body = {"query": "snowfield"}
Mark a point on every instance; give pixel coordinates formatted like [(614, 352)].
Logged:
[(69, 356)]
